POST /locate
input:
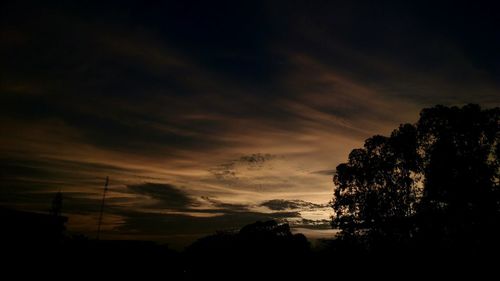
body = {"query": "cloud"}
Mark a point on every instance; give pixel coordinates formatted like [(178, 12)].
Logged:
[(257, 159), (230, 170), (280, 205), (167, 195), (329, 172), (224, 171), (198, 117), (226, 207)]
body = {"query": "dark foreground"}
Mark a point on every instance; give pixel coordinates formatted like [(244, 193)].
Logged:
[(260, 251)]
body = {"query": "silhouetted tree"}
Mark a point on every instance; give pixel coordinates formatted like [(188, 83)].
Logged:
[(378, 183), (459, 148), (256, 249), (439, 177)]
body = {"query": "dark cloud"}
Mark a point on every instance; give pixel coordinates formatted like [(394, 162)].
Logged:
[(322, 224), (229, 171), (225, 171), (42, 165), (280, 205), (28, 173), (329, 172), (257, 159), (226, 207), (83, 204), (169, 196)]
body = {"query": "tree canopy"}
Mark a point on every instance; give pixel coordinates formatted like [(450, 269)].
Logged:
[(445, 167)]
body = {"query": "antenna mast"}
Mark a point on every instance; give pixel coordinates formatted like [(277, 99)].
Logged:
[(102, 207)]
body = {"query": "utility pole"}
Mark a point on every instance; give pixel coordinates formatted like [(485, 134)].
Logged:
[(102, 207)]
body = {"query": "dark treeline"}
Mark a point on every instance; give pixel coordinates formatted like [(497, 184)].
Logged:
[(425, 199)]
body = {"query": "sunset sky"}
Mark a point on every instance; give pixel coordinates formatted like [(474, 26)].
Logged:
[(208, 116)]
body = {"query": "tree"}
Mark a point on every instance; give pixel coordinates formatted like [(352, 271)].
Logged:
[(378, 183), (458, 148), (255, 250), (446, 164)]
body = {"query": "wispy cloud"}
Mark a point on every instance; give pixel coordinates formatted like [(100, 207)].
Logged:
[(216, 123)]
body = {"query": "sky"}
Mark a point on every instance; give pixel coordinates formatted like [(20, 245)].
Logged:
[(209, 115)]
